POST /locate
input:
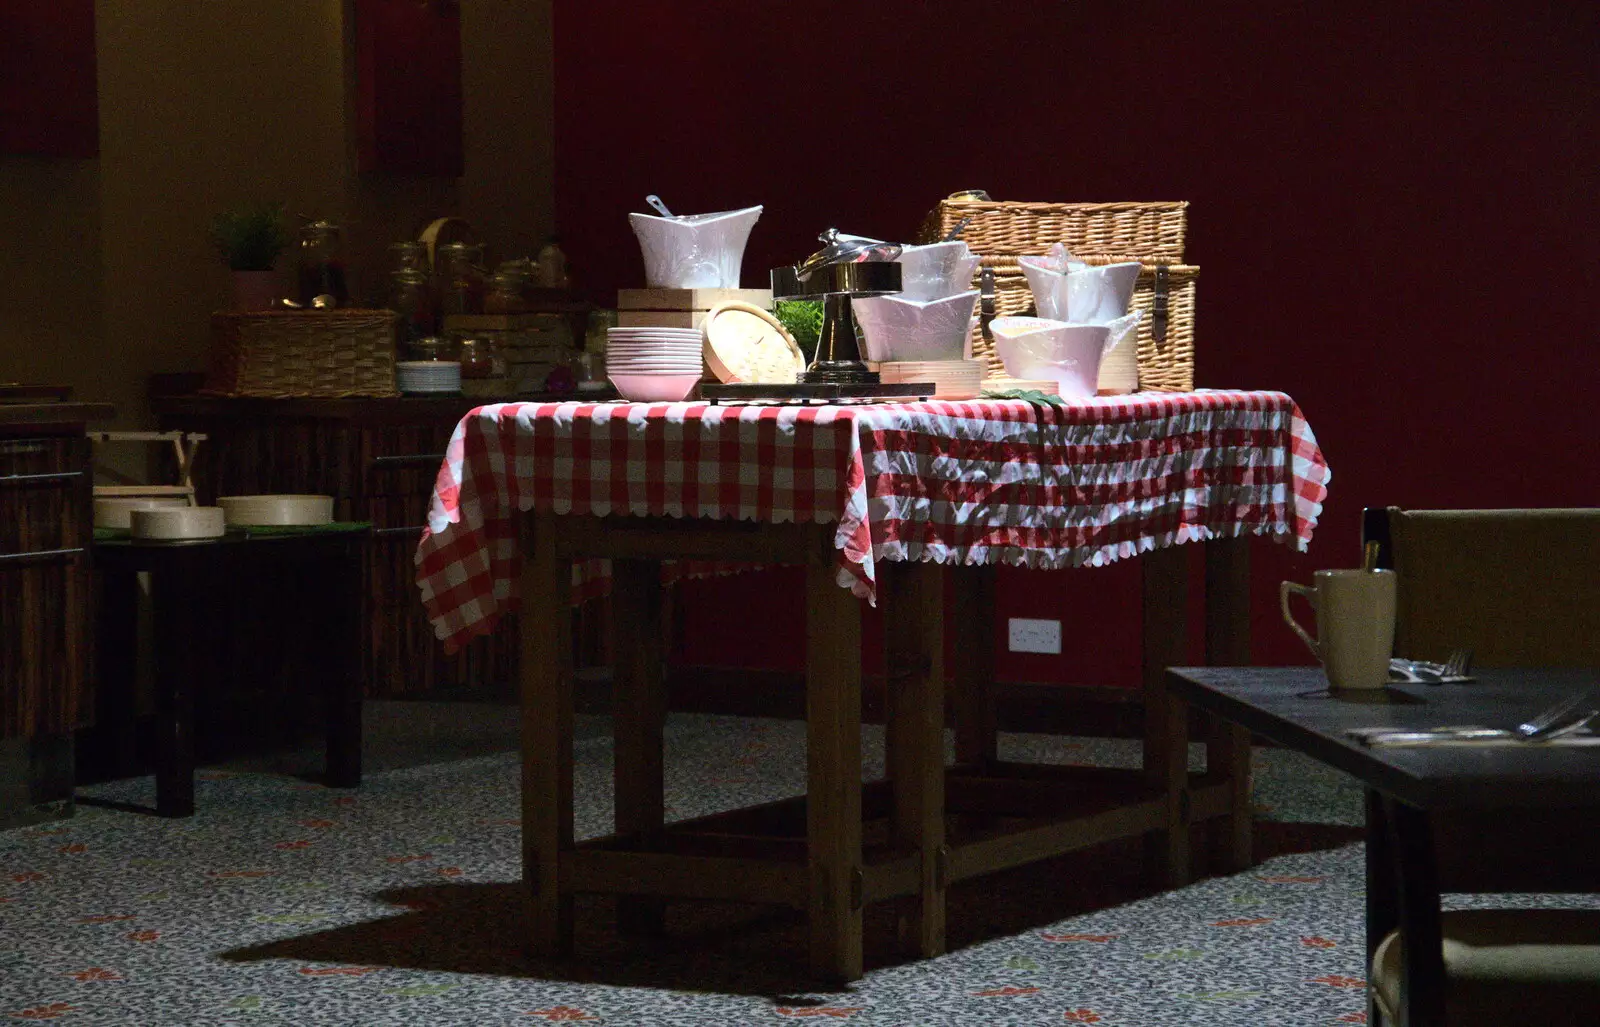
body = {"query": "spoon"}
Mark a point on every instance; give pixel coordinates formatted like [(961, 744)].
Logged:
[(655, 201), (960, 226)]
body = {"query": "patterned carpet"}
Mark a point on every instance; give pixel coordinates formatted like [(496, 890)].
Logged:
[(284, 901)]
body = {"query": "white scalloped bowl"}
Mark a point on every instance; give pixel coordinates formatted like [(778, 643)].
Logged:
[(276, 510), (694, 251), (894, 328), (936, 270), (1090, 295), (1035, 348)]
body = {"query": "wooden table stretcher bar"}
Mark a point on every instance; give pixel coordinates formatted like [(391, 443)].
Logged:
[(844, 845)]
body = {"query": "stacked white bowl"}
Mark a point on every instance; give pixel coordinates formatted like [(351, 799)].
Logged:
[(694, 251), (1068, 291), (928, 322), (654, 365)]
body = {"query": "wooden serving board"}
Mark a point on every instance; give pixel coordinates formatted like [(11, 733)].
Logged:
[(803, 392)]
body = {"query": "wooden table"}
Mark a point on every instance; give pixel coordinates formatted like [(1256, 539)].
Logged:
[(861, 497), (378, 458), (844, 845), (184, 577), (1293, 707)]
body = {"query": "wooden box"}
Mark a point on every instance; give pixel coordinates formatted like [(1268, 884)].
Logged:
[(680, 308)]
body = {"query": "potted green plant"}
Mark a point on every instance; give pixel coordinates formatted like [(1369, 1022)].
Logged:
[(249, 239)]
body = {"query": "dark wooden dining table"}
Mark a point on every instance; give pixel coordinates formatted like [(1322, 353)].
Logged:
[(1408, 787)]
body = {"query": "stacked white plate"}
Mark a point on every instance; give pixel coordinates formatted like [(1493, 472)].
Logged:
[(952, 379), (654, 365), (426, 376)]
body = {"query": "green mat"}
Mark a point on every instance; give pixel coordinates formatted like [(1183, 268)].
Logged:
[(258, 531)]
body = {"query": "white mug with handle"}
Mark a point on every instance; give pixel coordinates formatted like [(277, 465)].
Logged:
[(1355, 624)]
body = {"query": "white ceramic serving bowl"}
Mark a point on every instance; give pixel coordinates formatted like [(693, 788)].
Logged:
[(169, 523), (695, 251), (258, 511), (1036, 348), (897, 329), (936, 270), (654, 388), (114, 511), (1091, 295)]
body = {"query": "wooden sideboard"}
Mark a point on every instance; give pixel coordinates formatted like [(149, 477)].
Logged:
[(378, 458), (46, 526)]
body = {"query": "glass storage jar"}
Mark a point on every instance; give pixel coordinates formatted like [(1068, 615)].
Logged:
[(411, 296), (409, 255), (460, 267), (481, 356), (321, 266), (507, 291)]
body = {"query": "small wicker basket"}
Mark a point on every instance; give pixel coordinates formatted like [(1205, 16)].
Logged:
[(1097, 233), (285, 353)]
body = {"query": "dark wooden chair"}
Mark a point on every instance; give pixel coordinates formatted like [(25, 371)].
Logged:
[(1521, 588)]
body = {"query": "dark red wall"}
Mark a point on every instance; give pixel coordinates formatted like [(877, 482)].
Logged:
[(1394, 206), (48, 104)]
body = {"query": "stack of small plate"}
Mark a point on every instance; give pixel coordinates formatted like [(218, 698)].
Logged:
[(427, 376), (952, 379), (654, 365)]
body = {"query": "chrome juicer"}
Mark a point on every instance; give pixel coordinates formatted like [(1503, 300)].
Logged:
[(847, 266)]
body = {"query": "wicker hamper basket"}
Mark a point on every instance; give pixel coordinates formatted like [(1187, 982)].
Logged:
[(284, 353), (1097, 233)]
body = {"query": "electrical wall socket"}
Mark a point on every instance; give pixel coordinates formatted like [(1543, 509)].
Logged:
[(1034, 636)]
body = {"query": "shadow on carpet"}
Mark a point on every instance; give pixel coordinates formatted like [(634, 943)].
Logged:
[(731, 948)]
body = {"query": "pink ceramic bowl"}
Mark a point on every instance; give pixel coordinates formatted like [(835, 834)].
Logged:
[(655, 388)]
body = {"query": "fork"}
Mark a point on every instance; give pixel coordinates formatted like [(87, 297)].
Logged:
[(1562, 718), (1454, 669)]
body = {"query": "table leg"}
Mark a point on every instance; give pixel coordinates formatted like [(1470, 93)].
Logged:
[(1383, 913), (345, 683), (116, 669), (171, 592), (638, 705), (1228, 645), (911, 595), (833, 772), (1228, 755), (1422, 985), (1166, 726), (972, 697), (546, 621)]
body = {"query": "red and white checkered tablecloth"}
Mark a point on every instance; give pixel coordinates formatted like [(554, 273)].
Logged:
[(992, 481)]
